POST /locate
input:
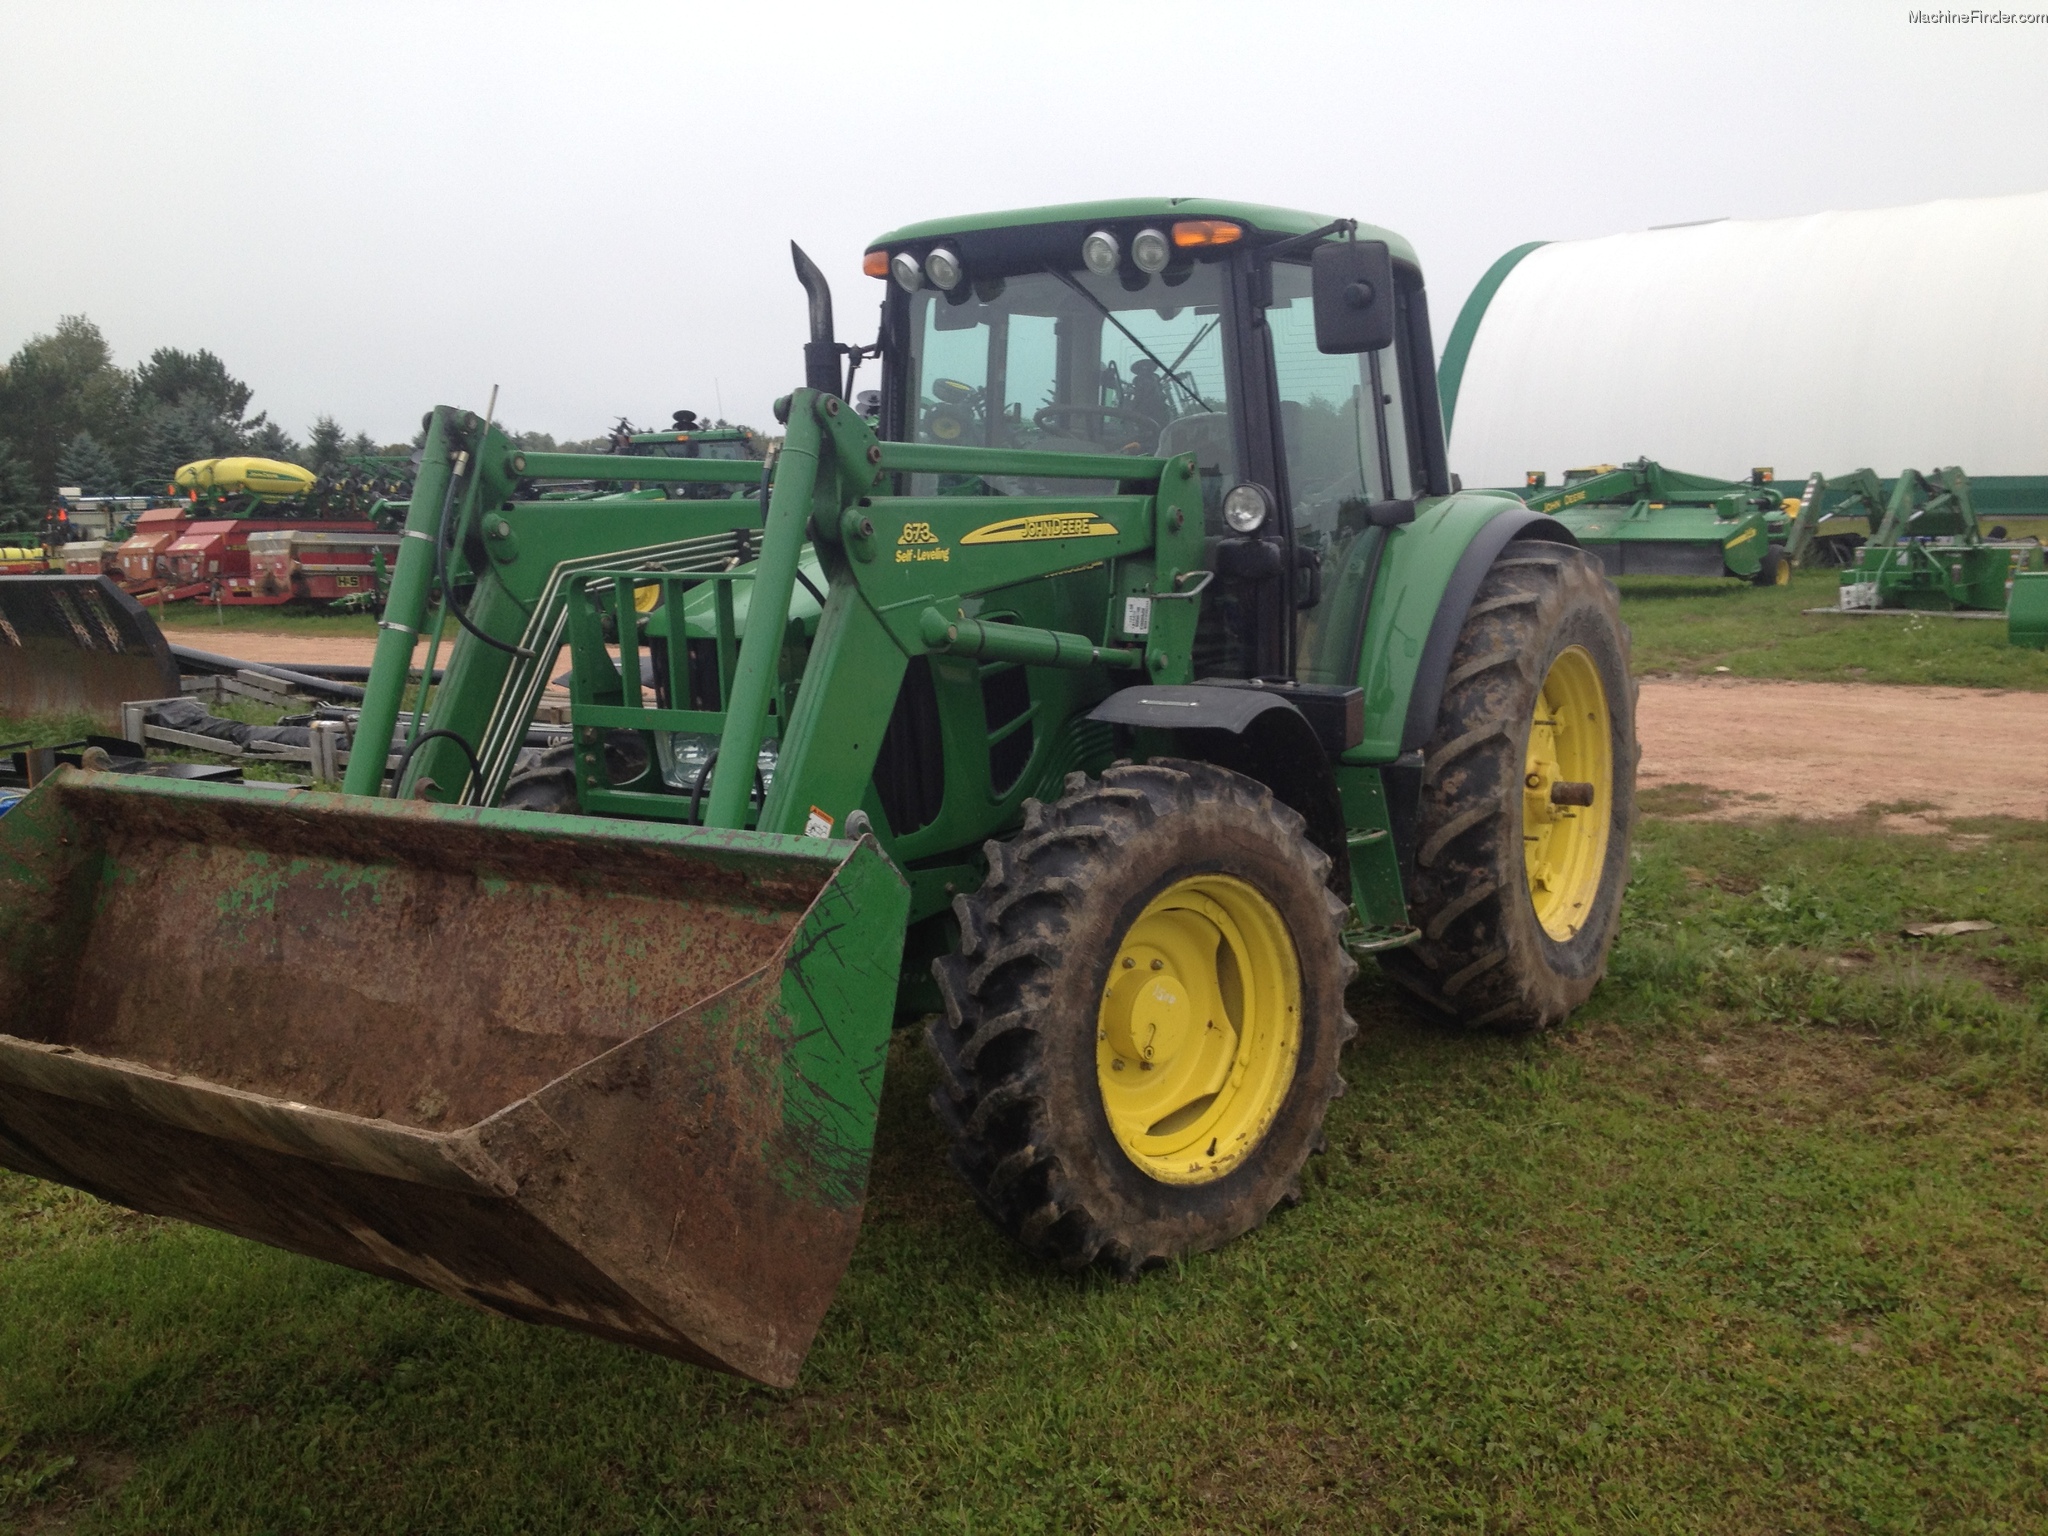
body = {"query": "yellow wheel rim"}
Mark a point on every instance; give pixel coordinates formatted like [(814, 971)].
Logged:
[(1783, 578), (1199, 1029), (1571, 746)]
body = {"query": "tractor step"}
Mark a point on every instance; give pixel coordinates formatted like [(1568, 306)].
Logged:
[(1373, 941)]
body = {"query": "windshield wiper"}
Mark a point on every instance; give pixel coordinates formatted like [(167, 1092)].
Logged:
[(1110, 315), (1200, 337)]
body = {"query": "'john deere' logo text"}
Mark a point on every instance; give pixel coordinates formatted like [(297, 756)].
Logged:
[(1050, 525)]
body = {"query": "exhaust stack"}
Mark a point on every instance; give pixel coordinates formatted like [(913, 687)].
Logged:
[(821, 352)]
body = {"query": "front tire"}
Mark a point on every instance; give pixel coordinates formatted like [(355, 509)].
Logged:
[(1143, 1022), (1518, 882)]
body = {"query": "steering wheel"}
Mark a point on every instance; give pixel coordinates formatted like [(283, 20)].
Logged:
[(1141, 426)]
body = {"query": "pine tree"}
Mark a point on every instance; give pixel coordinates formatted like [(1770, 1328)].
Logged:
[(171, 377), (326, 443), (85, 464), (270, 441), (178, 435)]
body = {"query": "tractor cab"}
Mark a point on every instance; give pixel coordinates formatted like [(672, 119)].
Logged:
[(687, 440), (1170, 326)]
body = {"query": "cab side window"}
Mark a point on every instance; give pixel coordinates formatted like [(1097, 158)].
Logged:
[(1345, 438)]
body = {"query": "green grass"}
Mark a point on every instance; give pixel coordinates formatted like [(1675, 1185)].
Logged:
[(56, 730), (1758, 1243), (50, 730), (185, 622), (1693, 626)]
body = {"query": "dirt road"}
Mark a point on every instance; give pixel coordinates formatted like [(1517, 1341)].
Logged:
[(1822, 749), (1798, 749), (284, 650)]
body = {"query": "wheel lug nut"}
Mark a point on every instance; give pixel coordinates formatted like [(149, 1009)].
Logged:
[(1117, 1065), (1129, 962), (1158, 965), (1534, 781)]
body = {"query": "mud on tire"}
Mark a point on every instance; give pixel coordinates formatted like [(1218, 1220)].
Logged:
[(1017, 1042), (1483, 959)]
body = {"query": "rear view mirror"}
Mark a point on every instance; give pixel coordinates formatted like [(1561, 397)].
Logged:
[(1353, 284)]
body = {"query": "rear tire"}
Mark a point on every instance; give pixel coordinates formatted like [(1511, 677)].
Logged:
[(1043, 1129), (1774, 570), (1545, 621), (547, 782)]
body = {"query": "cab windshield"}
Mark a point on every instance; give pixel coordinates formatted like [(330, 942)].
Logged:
[(1069, 361)]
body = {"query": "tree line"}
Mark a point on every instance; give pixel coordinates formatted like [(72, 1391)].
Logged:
[(70, 416)]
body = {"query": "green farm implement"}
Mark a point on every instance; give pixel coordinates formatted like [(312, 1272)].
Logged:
[(1925, 551), (1645, 520), (2026, 616), (688, 440), (1826, 530), (1100, 719)]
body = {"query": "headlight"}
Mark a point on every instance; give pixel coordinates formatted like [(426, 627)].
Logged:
[(1245, 507), (943, 268), (1100, 251), (1150, 250), (908, 274)]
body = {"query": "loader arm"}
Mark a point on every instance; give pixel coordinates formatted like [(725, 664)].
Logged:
[(1841, 496), (556, 572)]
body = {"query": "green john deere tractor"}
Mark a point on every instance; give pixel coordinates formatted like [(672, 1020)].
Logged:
[(1104, 717)]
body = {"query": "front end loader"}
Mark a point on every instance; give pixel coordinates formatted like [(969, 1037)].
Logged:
[(1926, 552), (1135, 674)]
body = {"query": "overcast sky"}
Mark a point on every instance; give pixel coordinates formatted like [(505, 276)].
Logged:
[(367, 209)]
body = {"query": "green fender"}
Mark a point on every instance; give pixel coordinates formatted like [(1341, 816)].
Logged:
[(1427, 578)]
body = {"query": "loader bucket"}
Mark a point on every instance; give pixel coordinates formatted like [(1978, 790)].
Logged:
[(78, 645), (616, 1076)]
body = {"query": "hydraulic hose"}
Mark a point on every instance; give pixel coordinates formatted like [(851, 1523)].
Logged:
[(441, 575), (697, 789), (405, 758), (704, 773)]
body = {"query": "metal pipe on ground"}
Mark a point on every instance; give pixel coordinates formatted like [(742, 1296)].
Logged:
[(208, 661), (337, 671)]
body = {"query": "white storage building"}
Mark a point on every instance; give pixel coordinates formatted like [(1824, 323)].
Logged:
[(1893, 337)]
